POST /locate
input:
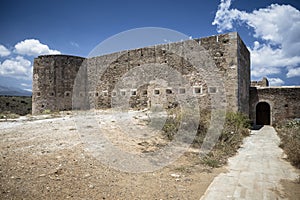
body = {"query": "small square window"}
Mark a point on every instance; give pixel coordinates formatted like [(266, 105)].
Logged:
[(197, 90), (133, 93), (67, 94), (169, 91), (181, 90), (96, 94), (123, 92), (38, 94), (212, 90), (145, 92), (114, 93), (156, 91), (105, 93)]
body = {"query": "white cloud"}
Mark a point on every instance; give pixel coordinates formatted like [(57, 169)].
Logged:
[(28, 90), (18, 67), (74, 44), (293, 72), (4, 51), (224, 17), (33, 47), (275, 81), (25, 85), (278, 26)]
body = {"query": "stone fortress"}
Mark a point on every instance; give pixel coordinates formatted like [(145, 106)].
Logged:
[(57, 79)]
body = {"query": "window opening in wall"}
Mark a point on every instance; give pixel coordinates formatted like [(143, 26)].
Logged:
[(156, 92), (181, 90), (67, 94), (123, 92), (52, 94), (168, 91), (212, 90), (38, 94), (197, 90), (145, 92), (225, 41), (133, 92), (96, 94), (105, 93)]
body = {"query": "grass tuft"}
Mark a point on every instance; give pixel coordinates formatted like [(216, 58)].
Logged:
[(289, 133)]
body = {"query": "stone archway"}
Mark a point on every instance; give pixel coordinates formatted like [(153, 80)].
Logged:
[(263, 113)]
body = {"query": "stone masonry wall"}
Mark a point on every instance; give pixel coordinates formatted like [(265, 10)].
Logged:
[(233, 59), (113, 79), (53, 79), (223, 56), (283, 101)]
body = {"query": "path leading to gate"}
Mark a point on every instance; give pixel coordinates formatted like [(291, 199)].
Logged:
[(255, 172)]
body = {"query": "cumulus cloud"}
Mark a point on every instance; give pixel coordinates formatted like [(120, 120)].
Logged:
[(293, 72), (275, 81), (33, 47), (4, 51), (18, 67), (278, 29)]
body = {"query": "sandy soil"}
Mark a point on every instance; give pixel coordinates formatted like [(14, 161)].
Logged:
[(47, 159)]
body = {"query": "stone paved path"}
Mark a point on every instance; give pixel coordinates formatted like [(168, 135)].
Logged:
[(255, 172)]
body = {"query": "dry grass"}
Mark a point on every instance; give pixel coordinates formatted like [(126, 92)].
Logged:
[(8, 115), (289, 133), (236, 127)]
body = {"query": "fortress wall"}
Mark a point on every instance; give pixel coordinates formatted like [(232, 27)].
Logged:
[(243, 76), (221, 58), (283, 101), (53, 79), (232, 58)]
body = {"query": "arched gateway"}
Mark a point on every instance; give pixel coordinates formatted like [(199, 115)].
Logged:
[(263, 113)]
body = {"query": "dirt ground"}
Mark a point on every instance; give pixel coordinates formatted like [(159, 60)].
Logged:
[(45, 158), (292, 189)]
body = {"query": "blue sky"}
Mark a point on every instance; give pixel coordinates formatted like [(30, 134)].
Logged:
[(34, 27)]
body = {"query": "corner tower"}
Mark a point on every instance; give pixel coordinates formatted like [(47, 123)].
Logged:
[(53, 79)]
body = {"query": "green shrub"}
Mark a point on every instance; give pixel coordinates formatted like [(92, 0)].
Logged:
[(46, 112), (211, 161)]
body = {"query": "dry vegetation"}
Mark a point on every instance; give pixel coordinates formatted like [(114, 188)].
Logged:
[(236, 127), (11, 105), (289, 133)]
